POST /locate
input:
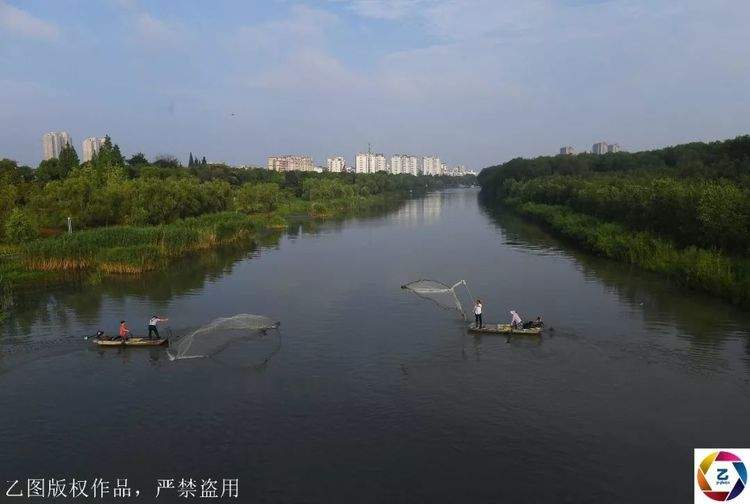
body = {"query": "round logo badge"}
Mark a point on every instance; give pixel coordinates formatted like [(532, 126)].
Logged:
[(722, 476)]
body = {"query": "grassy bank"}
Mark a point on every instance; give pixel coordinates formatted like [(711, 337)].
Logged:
[(137, 249), (697, 268), (682, 211)]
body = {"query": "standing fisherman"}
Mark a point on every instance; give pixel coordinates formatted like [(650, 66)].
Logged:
[(478, 314), (152, 325)]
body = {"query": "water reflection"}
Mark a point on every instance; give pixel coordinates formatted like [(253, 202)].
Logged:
[(706, 321), (59, 308), (420, 212), (45, 314)]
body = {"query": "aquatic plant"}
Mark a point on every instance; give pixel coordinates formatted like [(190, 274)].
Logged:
[(133, 249), (708, 270)]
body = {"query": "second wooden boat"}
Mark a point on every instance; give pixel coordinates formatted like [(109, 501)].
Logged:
[(504, 329)]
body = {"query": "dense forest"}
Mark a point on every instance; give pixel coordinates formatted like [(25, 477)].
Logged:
[(132, 215), (683, 211)]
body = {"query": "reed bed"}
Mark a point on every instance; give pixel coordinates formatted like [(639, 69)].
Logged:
[(708, 270), (127, 249), (134, 249)]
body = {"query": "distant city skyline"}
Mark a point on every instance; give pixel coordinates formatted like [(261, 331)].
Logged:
[(364, 162), (597, 148), (480, 82), (368, 162)]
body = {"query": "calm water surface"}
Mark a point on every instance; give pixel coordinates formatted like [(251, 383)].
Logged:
[(369, 394)]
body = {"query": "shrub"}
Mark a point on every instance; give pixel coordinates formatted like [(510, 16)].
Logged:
[(258, 198), (20, 227)]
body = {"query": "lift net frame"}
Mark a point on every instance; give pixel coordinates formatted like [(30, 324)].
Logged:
[(443, 295)]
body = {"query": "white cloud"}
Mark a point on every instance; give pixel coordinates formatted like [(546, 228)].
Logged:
[(304, 26), (310, 70), (452, 20), (289, 54), (153, 31), (385, 9), (20, 22)]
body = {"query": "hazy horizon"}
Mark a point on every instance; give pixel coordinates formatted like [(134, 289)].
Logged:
[(477, 83)]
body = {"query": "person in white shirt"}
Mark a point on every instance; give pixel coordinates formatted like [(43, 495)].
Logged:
[(478, 314), (152, 325), (515, 319)]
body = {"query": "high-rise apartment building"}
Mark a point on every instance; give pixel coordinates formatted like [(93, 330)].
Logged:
[(396, 164), (377, 163), (90, 147), (53, 142), (599, 148), (290, 163), (567, 150), (455, 171), (360, 163), (336, 164), (404, 163), (612, 148), (431, 165), (369, 163)]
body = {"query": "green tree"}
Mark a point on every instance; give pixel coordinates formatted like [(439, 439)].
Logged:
[(20, 227), (137, 159), (721, 212), (68, 159), (49, 170), (257, 198), (8, 198), (26, 173), (108, 156), (9, 172), (167, 161), (326, 189)]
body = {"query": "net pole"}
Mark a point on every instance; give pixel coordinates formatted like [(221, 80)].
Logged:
[(455, 296), (471, 296), (458, 304)]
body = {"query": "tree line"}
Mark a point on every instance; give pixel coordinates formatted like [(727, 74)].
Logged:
[(683, 211), (114, 190), (695, 194)]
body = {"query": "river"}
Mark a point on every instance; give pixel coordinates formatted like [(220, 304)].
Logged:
[(370, 394)]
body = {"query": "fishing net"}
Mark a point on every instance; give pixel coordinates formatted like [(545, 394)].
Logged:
[(445, 296), (236, 331)]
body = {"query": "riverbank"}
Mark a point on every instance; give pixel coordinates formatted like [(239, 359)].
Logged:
[(683, 211), (699, 269), (137, 249)]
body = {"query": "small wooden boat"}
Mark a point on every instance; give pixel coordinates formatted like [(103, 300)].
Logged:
[(134, 342), (504, 329)]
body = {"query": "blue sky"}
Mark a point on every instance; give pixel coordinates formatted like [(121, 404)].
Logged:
[(477, 82)]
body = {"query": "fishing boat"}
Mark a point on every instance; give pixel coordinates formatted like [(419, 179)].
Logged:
[(134, 342), (504, 329)]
